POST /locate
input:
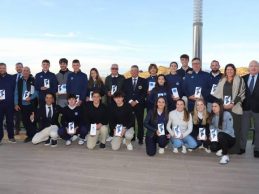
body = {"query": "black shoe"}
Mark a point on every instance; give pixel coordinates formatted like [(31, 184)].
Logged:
[(12, 140), (102, 145), (242, 151), (54, 143), (27, 139), (140, 142), (256, 154), (47, 142)]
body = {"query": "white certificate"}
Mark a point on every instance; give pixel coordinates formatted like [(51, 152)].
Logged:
[(32, 89), (62, 89), (77, 98), (114, 89), (26, 94), (118, 130), (197, 93), (2, 94), (202, 134), (160, 94), (71, 128), (161, 128), (151, 85), (46, 83), (177, 131), (227, 100), (91, 96), (213, 135), (175, 92), (93, 129), (213, 89)]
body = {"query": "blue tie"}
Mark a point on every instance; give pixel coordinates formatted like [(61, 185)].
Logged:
[(251, 84)]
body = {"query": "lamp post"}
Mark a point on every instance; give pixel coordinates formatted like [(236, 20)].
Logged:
[(197, 29)]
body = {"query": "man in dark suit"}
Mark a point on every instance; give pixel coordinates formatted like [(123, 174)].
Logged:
[(251, 107), (135, 93), (17, 113), (47, 117)]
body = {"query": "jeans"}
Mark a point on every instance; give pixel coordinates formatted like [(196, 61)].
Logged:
[(188, 142)]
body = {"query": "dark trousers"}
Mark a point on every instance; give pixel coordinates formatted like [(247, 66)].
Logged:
[(139, 114), (152, 141), (237, 124), (7, 111), (62, 132), (225, 142), (17, 120), (29, 126)]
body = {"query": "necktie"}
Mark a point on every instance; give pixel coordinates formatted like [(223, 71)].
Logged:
[(251, 85), (134, 83), (49, 113)]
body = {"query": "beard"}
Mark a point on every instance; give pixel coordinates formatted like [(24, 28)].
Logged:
[(215, 71)]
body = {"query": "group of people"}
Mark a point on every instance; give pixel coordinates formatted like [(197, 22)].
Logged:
[(186, 109)]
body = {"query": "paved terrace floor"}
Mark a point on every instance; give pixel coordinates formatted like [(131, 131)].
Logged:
[(37, 169)]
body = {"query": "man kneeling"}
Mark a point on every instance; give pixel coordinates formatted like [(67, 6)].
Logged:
[(47, 118)]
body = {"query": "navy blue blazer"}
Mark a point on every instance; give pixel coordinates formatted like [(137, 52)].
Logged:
[(139, 93), (42, 119), (251, 101)]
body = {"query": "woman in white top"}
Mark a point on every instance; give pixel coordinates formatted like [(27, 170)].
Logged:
[(180, 126)]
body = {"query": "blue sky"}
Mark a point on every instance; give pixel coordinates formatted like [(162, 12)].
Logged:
[(102, 32)]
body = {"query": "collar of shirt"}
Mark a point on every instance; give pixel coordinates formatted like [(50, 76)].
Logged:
[(115, 76), (215, 74), (250, 78)]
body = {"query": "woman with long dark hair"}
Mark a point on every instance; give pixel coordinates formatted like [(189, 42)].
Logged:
[(155, 123), (222, 122), (160, 89), (231, 90), (95, 83)]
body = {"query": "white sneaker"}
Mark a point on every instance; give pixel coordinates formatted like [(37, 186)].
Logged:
[(175, 150), (219, 153), (190, 150), (161, 150), (207, 150), (109, 138), (68, 142), (74, 138), (130, 147), (201, 147), (184, 151), (81, 141), (224, 159)]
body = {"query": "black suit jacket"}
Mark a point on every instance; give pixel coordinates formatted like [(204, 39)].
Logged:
[(251, 101), (139, 93), (42, 119)]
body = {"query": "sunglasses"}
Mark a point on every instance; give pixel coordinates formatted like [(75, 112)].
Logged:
[(114, 68)]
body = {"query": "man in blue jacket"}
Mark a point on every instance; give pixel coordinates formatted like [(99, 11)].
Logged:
[(7, 87), (77, 82), (45, 82), (196, 84)]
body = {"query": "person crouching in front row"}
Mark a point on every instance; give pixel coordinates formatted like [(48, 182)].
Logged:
[(95, 118), (121, 122), (155, 122), (71, 125), (47, 118)]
